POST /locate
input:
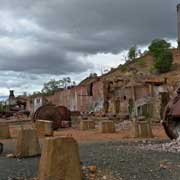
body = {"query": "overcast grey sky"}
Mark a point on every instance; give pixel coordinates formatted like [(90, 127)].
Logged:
[(44, 39)]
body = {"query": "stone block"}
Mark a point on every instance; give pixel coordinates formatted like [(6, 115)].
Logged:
[(107, 127), (87, 124), (44, 127), (60, 160), (27, 143), (4, 131)]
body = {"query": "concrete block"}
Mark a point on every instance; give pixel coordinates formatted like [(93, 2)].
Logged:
[(4, 131), (44, 127), (27, 143), (145, 130), (60, 160), (142, 129), (107, 127), (87, 124)]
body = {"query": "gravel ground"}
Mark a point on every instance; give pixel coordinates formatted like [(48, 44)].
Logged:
[(121, 160)]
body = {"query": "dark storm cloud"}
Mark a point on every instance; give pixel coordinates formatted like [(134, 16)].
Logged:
[(73, 28), (108, 26), (44, 61)]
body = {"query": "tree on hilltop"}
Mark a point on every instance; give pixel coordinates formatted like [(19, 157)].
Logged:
[(162, 53)]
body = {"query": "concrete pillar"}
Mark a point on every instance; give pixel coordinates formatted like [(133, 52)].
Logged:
[(44, 127), (178, 24), (142, 129), (60, 160), (135, 130), (107, 127), (4, 131), (87, 124), (133, 90), (27, 143)]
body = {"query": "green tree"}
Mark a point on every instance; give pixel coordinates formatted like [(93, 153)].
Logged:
[(67, 81), (132, 54), (51, 86), (160, 49), (164, 62)]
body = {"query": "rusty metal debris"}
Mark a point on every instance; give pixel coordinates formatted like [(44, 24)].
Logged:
[(58, 114)]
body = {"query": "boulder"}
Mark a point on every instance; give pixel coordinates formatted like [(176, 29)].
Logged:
[(4, 131), (107, 127), (60, 160), (44, 127), (87, 124), (27, 143)]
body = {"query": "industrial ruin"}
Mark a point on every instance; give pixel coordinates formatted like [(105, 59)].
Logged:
[(129, 105)]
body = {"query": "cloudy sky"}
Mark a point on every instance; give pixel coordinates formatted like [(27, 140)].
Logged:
[(45, 39)]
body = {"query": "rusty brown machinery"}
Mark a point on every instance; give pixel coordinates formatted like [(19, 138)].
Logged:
[(1, 148), (58, 114), (171, 118)]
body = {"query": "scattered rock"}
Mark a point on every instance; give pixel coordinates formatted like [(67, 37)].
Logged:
[(92, 169)]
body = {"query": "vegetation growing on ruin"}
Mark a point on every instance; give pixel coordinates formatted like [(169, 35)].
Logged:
[(141, 62), (160, 49), (132, 54)]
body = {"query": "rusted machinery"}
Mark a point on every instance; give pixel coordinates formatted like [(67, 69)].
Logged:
[(171, 118), (1, 148), (60, 115)]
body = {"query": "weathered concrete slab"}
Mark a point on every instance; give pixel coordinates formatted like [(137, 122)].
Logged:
[(27, 143), (87, 124), (60, 160), (4, 131), (44, 127), (107, 127)]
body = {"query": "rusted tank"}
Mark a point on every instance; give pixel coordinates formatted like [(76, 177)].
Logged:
[(171, 117), (57, 114)]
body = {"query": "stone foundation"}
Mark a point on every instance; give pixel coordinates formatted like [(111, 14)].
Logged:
[(60, 160), (87, 124), (107, 127), (4, 131), (27, 143)]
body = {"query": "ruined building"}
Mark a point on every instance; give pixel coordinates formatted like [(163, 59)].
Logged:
[(130, 90)]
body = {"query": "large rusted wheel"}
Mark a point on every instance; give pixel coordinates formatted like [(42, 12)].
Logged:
[(57, 114), (49, 112), (64, 112)]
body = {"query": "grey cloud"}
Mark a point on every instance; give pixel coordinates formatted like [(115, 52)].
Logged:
[(108, 26), (44, 61), (81, 28)]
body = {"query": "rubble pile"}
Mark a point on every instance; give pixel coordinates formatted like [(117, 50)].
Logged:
[(124, 125), (173, 147)]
